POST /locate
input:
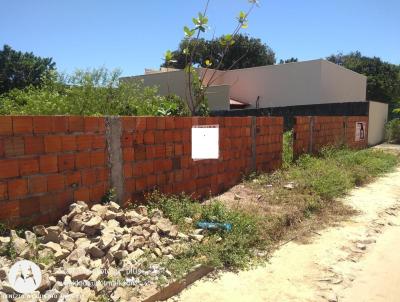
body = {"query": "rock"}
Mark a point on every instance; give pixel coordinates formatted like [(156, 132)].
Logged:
[(196, 237), (83, 205), (59, 274), (136, 254), (76, 235), (164, 225), (118, 246), (100, 210), (76, 255), (158, 252), (3, 273), (17, 243), (75, 210), (4, 240), (136, 242), (120, 255), (28, 253), (94, 222), (106, 241), (173, 232), (137, 230), (86, 295), (51, 295), (82, 243), (156, 214), (121, 294), (39, 230), (95, 252), (146, 234), (53, 234), (142, 210), (188, 220), (30, 238), (125, 240), (112, 206), (70, 298), (95, 263), (59, 252), (53, 246), (133, 218), (76, 224), (79, 273), (67, 245), (110, 215), (45, 284), (155, 239), (7, 288)]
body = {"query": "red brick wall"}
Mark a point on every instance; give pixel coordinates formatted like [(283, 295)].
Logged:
[(157, 153), (312, 133), (48, 162)]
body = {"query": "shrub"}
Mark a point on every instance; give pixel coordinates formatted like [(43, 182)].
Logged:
[(90, 92), (393, 131)]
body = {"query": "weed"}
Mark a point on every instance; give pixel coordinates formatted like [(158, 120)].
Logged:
[(109, 196), (4, 231), (287, 152)]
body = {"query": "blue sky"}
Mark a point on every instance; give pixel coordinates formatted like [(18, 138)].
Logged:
[(132, 35)]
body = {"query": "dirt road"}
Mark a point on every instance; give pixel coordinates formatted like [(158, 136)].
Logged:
[(358, 260)]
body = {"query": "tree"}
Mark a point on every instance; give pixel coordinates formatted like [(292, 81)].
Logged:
[(197, 83), (291, 60), (383, 78), (19, 69), (244, 53)]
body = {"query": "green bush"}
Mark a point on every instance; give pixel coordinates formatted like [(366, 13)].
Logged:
[(235, 248), (287, 155), (338, 170), (393, 131), (91, 92)]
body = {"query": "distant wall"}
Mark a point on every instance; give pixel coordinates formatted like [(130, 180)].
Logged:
[(48, 162), (289, 112), (378, 116), (312, 133)]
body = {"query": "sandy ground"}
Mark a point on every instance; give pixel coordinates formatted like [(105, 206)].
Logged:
[(357, 260)]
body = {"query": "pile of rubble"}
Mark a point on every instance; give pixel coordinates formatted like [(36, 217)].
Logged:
[(104, 243)]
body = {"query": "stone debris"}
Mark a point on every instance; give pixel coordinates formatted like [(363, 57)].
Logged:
[(88, 240)]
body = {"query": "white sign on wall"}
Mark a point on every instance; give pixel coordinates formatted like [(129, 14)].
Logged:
[(360, 131), (205, 142)]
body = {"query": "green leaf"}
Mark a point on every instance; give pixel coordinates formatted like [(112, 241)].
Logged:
[(168, 56)]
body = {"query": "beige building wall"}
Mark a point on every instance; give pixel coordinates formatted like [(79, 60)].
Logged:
[(175, 82), (339, 84), (299, 83), (378, 115)]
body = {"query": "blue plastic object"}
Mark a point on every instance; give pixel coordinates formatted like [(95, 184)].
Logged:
[(214, 226)]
